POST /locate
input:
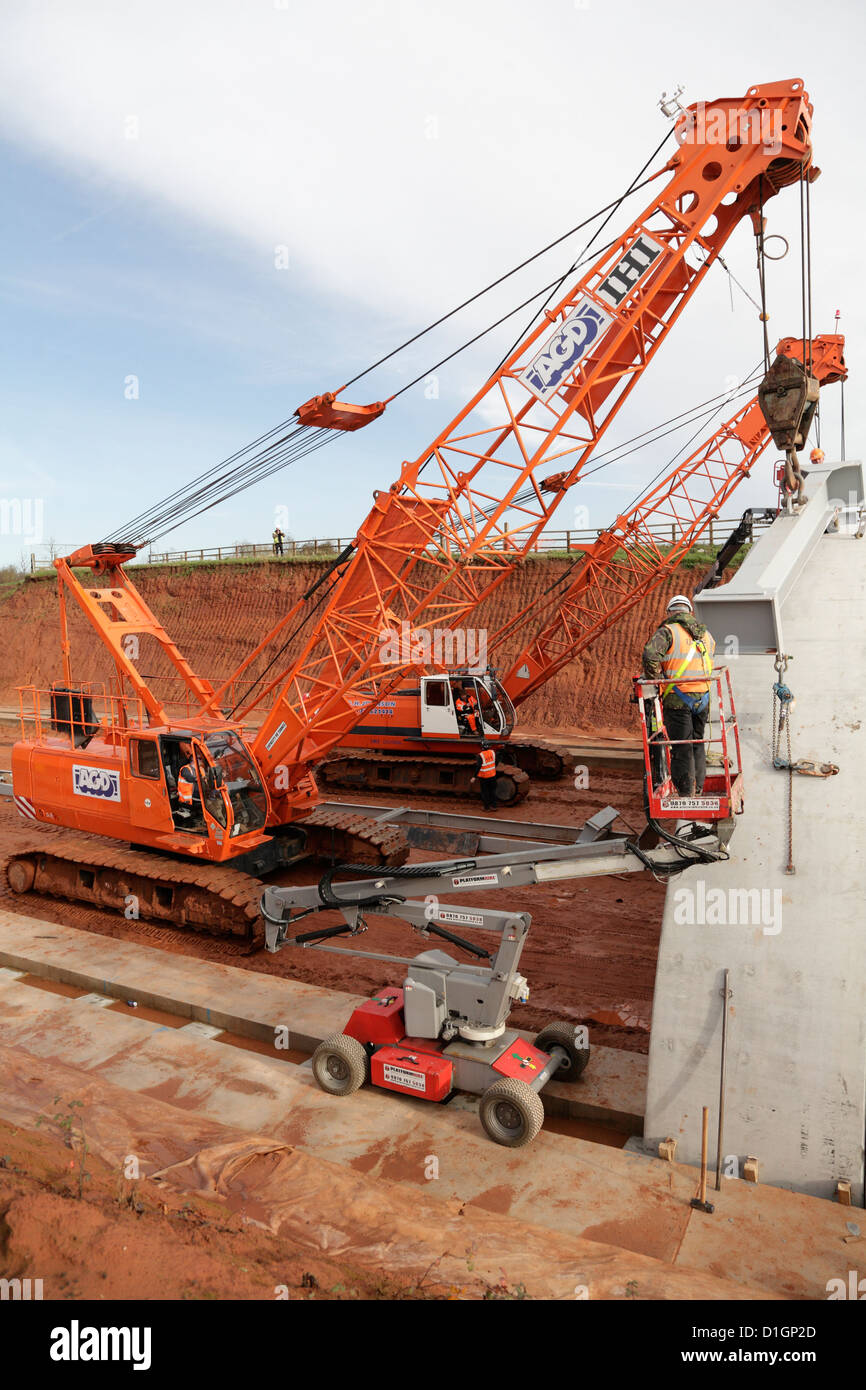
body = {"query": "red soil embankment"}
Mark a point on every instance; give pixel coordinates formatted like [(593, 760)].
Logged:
[(216, 614)]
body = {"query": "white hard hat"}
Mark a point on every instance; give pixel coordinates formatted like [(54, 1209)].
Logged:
[(679, 601)]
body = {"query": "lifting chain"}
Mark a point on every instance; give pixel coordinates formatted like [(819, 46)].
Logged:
[(782, 705)]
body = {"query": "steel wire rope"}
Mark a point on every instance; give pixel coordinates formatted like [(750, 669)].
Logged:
[(557, 583), (613, 207), (183, 499), (156, 507), (330, 437), (634, 187), (218, 488), (159, 513), (231, 482), (337, 573), (657, 432), (722, 398)]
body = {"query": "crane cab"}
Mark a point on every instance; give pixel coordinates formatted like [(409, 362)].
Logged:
[(453, 709), (93, 763), (466, 706)]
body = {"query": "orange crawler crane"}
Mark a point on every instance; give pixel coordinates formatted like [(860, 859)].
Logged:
[(420, 738), (433, 546)]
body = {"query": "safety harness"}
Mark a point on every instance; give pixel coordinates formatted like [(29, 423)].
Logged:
[(698, 648)]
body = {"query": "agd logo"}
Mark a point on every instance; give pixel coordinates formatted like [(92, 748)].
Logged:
[(95, 781), (561, 353)]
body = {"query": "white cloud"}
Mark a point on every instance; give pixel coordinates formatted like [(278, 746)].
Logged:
[(402, 151), (365, 137), (407, 151)]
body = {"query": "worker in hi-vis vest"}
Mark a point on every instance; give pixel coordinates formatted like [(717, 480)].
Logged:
[(486, 775), (187, 781), (680, 657), (471, 707)]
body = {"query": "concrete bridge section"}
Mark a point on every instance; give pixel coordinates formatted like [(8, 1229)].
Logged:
[(794, 944)]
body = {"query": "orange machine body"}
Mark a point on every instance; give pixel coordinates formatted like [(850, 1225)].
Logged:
[(448, 711), (628, 561), (96, 776), (443, 537), (468, 509), (106, 760)]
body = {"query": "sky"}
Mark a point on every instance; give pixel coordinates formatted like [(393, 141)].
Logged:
[(215, 209)]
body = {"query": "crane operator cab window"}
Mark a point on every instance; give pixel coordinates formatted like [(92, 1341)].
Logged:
[(497, 712), (180, 760), (480, 713), (466, 705), (215, 775), (233, 773)]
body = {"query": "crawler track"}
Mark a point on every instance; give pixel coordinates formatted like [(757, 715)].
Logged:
[(214, 899), (363, 769), (204, 897), (346, 835), (541, 761)]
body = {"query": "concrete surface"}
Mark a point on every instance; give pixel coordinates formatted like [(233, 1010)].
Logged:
[(255, 1005), (776, 1243), (796, 1074)]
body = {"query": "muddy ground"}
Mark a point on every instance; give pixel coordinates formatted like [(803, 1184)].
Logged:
[(590, 957), (140, 1242)]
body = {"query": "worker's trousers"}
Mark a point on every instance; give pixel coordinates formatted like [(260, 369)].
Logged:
[(688, 760), (487, 788)]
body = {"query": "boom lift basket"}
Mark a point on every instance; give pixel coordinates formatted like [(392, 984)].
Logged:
[(721, 797)]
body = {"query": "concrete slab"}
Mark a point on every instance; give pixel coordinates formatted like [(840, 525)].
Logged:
[(320, 1207), (19, 1002), (240, 1001), (255, 1005), (563, 1184), (202, 1030), (793, 944), (754, 602)]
